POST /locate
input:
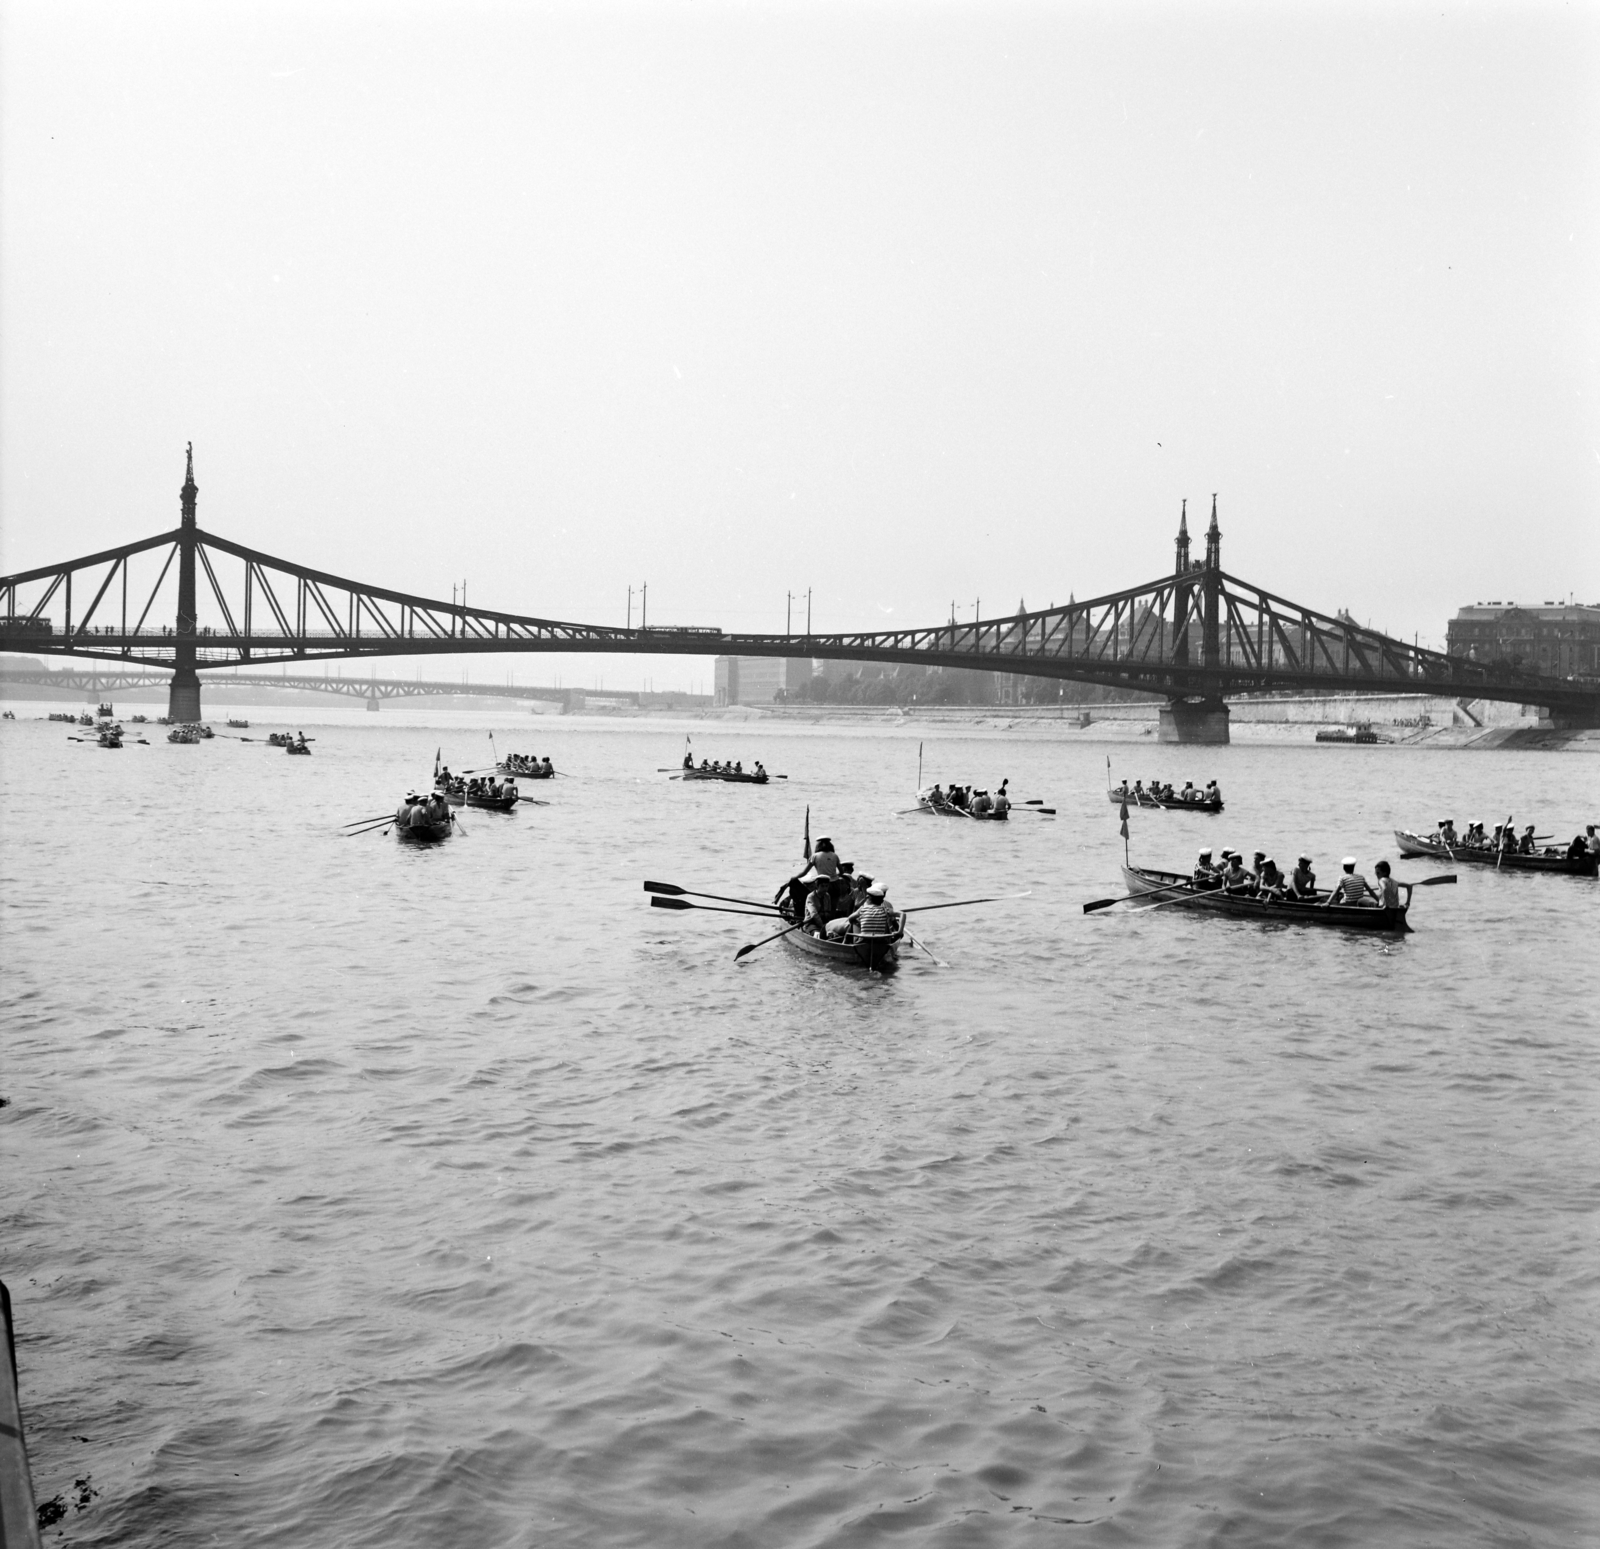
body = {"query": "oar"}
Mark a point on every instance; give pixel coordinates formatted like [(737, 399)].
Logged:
[(357, 822), (356, 833), (1106, 903), (938, 962), (961, 903), (1429, 881), (744, 951), (683, 903), (1039, 812), (673, 891)]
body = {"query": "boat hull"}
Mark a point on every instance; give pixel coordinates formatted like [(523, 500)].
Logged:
[(421, 833), (877, 953), (491, 803), (1172, 804), (727, 779), (521, 772), (1147, 886), (945, 810), (1414, 846)]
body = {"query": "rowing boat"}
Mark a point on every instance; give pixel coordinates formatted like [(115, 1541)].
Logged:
[(523, 770), (1174, 803), (944, 809), (1147, 887), (492, 803), (411, 825), (298, 748), (726, 775), (1415, 845)]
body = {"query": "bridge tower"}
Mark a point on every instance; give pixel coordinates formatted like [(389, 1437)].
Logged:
[(1204, 720), (183, 697)]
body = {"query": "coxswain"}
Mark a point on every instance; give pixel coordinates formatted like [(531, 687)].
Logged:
[(1592, 839), (1388, 890), (688, 760), (1303, 880), (824, 862), (1205, 874), (1352, 888)]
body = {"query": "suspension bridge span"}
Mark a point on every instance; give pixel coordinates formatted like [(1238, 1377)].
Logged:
[(1195, 635)]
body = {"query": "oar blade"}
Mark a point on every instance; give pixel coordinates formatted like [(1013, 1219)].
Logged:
[(670, 903), (1100, 903), (665, 887), (1434, 881)]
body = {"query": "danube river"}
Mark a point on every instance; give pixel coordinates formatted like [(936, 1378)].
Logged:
[(364, 1195)]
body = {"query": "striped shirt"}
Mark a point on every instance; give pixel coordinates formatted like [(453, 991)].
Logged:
[(875, 920), (1350, 889)]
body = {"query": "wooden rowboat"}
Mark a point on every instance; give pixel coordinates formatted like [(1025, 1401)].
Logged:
[(726, 775), (523, 770), (1173, 803), (1415, 845), (1147, 886), (493, 803), (945, 809), (407, 827)]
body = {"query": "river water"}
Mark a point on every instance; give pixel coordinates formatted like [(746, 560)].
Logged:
[(364, 1195)]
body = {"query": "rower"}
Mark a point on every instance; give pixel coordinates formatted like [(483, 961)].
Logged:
[(1388, 890), (1352, 888), (1255, 864), (1189, 793), (936, 796), (1236, 879), (738, 766), (980, 804), (875, 917), (1213, 791), (549, 768), (1527, 846), (1270, 883), (819, 909), (1303, 880), (1592, 839), (760, 770), (1002, 802), (510, 789), (1205, 874)]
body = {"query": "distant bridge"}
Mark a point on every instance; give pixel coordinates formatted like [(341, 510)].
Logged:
[(1195, 635), (72, 681)]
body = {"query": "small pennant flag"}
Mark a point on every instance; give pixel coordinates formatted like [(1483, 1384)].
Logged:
[(1123, 814)]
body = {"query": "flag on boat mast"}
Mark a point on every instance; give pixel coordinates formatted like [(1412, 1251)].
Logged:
[(808, 831), (1124, 815)]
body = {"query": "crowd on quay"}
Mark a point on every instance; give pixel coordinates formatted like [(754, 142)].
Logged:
[(1505, 840), (827, 897), (1156, 791), (1263, 879), (968, 799)]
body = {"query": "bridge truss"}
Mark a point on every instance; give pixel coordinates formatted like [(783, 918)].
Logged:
[(1196, 635)]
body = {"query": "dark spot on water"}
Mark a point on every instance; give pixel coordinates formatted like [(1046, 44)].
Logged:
[(52, 1511)]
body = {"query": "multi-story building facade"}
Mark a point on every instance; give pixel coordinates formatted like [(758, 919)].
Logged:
[(1560, 640), (757, 680)]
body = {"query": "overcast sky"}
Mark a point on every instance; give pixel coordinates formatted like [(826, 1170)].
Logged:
[(906, 303)]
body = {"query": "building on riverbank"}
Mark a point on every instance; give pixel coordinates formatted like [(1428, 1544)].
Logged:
[(759, 680), (1560, 640)]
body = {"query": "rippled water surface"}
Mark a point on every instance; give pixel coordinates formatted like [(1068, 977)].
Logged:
[(363, 1195)]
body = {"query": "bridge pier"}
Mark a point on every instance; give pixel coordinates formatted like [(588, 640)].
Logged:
[(183, 695), (372, 702), (1203, 722)]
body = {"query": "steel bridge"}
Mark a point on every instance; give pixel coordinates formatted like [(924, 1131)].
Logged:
[(1196, 635), (95, 681)]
